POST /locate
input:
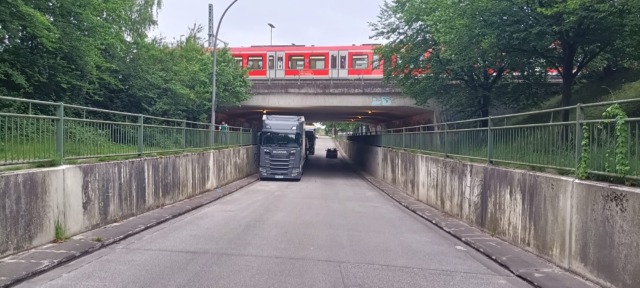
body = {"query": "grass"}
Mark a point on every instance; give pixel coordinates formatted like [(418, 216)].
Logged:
[(98, 239), (40, 153), (542, 146), (569, 172), (622, 85), (531, 148), (60, 234)]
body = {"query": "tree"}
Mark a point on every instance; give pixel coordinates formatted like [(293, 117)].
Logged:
[(346, 127), (64, 50), (190, 80), (17, 20), (569, 35), (174, 79), (463, 60), (98, 53)]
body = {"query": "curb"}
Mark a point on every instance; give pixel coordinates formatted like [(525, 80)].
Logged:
[(522, 264), (157, 217)]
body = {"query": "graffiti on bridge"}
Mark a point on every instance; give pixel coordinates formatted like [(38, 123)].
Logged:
[(381, 101)]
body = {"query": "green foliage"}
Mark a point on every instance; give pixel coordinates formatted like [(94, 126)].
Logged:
[(582, 170), (98, 53), (59, 232), (345, 127), (571, 36), (474, 45), (620, 144), (621, 150), (464, 60)]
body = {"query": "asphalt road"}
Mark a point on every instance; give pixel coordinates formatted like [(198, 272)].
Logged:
[(332, 229)]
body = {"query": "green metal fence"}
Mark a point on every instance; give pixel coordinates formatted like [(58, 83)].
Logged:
[(538, 139), (36, 131)]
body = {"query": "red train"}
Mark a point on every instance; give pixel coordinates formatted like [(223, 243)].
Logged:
[(314, 62), (295, 61)]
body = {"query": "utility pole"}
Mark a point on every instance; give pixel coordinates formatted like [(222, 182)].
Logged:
[(213, 37), (271, 25), (210, 25)]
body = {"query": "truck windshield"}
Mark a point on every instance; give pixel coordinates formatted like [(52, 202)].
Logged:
[(281, 139)]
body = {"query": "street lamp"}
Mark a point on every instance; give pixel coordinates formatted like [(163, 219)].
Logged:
[(271, 25), (215, 62)]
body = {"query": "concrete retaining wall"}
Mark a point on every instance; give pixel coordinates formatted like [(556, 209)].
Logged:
[(592, 229), (85, 197)]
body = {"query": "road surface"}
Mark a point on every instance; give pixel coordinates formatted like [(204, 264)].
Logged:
[(332, 229)]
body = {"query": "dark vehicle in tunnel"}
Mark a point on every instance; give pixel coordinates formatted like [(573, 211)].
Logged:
[(332, 153), (282, 147)]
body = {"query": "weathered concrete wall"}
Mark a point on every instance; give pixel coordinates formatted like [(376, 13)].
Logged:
[(323, 87), (88, 196), (592, 229)]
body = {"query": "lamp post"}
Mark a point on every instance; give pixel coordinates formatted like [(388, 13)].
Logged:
[(215, 62), (271, 25)]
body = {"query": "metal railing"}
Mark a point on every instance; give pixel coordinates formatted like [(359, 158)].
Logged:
[(538, 139), (36, 131)]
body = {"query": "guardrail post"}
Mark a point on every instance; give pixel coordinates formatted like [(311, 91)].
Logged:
[(212, 137), (60, 132), (404, 135), (445, 139), (578, 146), (140, 135), (184, 134), (489, 140)]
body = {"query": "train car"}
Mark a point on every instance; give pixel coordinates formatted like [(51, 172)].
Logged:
[(309, 62), (319, 62)]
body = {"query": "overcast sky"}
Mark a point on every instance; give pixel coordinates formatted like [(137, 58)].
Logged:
[(303, 22)]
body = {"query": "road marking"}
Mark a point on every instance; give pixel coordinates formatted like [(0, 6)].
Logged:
[(461, 248)]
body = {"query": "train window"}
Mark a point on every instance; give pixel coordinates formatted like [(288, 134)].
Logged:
[(334, 62), (255, 63), (280, 61), (343, 61), (270, 62), (317, 62), (360, 62), (296, 62), (375, 64), (239, 61)]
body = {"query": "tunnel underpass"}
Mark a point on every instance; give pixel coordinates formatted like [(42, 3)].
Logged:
[(331, 229), (372, 102)]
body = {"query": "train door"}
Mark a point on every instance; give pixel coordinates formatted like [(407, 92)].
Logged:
[(275, 65), (271, 65), (338, 64)]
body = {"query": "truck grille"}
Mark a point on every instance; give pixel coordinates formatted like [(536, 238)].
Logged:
[(279, 164)]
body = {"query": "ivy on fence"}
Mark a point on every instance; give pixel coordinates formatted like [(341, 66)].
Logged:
[(621, 146)]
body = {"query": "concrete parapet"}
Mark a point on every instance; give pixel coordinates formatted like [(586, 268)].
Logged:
[(592, 229), (85, 197), (323, 87)]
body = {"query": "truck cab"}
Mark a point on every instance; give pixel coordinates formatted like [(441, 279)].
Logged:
[(282, 147)]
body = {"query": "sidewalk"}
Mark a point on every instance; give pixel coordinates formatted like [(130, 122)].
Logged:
[(527, 266), (22, 266)]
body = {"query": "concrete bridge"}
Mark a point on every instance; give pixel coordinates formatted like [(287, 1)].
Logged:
[(369, 101)]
